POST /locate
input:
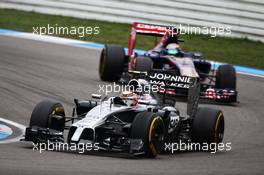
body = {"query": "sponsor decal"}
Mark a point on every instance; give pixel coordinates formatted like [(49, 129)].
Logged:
[(162, 79), (152, 27)]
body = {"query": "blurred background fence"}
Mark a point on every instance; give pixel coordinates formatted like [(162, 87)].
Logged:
[(244, 17)]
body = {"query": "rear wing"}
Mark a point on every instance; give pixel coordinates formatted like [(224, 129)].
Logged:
[(152, 29), (169, 79), (148, 29), (171, 84)]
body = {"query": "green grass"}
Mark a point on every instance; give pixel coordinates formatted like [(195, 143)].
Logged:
[(235, 51)]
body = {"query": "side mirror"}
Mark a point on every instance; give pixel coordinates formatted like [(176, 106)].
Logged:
[(96, 96)]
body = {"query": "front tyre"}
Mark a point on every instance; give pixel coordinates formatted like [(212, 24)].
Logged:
[(48, 114), (112, 62), (226, 77), (143, 64), (150, 128)]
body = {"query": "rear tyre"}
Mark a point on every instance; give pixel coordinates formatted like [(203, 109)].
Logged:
[(143, 64), (150, 128), (48, 114), (226, 77), (208, 126), (112, 62)]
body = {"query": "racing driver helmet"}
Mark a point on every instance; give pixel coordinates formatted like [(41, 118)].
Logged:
[(129, 97), (174, 49)]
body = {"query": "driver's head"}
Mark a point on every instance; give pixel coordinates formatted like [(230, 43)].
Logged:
[(173, 49), (129, 97)]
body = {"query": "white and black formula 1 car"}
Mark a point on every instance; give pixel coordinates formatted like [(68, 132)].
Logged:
[(217, 84), (133, 122)]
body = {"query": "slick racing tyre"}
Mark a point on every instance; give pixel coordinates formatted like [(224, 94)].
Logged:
[(208, 126), (112, 62), (226, 77), (48, 114), (150, 128), (143, 64)]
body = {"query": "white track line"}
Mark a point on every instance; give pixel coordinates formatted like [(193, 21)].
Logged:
[(22, 128), (253, 75)]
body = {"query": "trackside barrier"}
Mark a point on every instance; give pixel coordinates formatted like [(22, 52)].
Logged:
[(244, 17)]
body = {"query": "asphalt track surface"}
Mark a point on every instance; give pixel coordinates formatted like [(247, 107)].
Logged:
[(31, 71)]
